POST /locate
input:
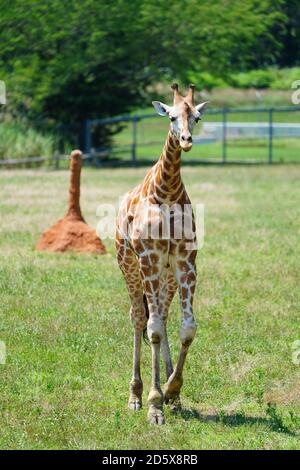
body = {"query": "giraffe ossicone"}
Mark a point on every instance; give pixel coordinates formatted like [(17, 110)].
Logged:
[(155, 267)]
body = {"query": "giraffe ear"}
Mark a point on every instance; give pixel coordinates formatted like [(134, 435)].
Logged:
[(202, 107), (161, 108)]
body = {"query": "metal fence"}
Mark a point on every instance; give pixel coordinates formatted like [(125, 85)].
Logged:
[(54, 162), (229, 135)]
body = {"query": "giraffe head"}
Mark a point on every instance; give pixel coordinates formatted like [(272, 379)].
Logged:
[(183, 115)]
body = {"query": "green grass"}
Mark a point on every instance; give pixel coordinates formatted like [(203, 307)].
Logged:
[(65, 321), (284, 151)]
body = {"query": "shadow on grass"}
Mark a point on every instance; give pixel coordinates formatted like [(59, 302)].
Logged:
[(233, 420)]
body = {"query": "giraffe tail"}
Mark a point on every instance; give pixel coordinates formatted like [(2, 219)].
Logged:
[(145, 336)]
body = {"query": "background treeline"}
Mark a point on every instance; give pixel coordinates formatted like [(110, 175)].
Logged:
[(67, 61)]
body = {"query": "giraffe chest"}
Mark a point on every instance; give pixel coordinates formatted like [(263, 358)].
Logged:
[(162, 226)]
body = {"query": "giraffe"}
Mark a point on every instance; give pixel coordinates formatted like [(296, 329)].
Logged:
[(154, 267)]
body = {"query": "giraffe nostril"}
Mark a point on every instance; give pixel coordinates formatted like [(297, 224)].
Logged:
[(186, 138)]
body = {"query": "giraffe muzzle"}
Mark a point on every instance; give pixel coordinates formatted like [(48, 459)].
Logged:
[(186, 145), (186, 141)]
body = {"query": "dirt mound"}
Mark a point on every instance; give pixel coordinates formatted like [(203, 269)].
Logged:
[(71, 233)]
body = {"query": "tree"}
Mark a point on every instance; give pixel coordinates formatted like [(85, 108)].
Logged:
[(67, 61), (290, 37)]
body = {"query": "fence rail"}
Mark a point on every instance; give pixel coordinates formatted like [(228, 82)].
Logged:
[(129, 145), (52, 161), (221, 140)]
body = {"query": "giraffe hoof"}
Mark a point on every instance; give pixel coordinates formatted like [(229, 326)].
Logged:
[(172, 399), (156, 416), (135, 403), (173, 403)]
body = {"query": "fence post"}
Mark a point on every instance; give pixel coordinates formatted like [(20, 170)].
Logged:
[(270, 160), (134, 140), (87, 136), (94, 159), (56, 160), (224, 156)]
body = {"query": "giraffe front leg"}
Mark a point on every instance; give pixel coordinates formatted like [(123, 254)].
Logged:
[(150, 268), (167, 297), (138, 318), (155, 398), (186, 278), (130, 268), (166, 353), (136, 384)]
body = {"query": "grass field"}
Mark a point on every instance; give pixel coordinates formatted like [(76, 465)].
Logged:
[(65, 320)]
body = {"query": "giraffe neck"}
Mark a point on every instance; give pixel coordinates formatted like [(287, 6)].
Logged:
[(167, 183)]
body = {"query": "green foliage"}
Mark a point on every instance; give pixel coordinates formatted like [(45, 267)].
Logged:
[(235, 35), (285, 77), (64, 62), (207, 81), (276, 79), (290, 35), (253, 79), (19, 141), (273, 78)]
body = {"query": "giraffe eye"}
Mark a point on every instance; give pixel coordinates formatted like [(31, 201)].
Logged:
[(197, 119), (173, 118)]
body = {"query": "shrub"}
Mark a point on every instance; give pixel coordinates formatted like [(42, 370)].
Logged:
[(285, 78), (253, 79), (19, 141), (275, 79), (207, 81)]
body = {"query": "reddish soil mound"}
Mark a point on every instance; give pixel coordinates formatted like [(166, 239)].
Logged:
[(72, 232)]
